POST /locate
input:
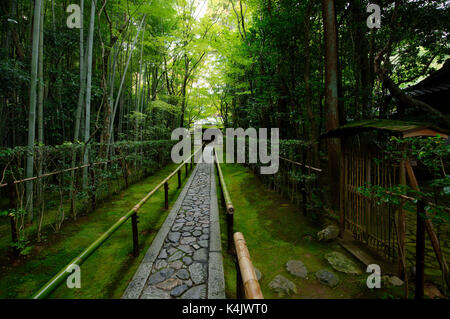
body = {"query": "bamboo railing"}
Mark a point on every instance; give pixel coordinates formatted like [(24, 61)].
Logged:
[(53, 283), (247, 285), (247, 281)]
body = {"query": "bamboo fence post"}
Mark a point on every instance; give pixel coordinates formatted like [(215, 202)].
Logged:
[(402, 225), (420, 249), (134, 227), (429, 228), (179, 178), (166, 195)]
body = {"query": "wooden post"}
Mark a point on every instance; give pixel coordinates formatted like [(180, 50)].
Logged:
[(429, 227), (125, 171), (303, 169), (166, 195), (420, 249), (402, 226), (342, 203), (179, 178), (186, 166), (12, 205), (134, 227), (92, 173)]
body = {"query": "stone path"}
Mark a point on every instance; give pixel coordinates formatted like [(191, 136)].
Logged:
[(185, 258)]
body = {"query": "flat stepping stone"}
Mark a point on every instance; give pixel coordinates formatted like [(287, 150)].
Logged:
[(177, 255), (297, 269), (169, 284), (196, 292), (160, 276), (341, 263), (283, 286), (198, 273), (201, 255), (327, 278), (176, 264), (182, 274), (174, 237), (179, 290), (187, 260), (203, 243)]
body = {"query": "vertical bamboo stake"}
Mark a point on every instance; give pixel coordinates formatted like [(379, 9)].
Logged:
[(402, 223), (420, 249), (166, 195), (134, 227), (179, 177)]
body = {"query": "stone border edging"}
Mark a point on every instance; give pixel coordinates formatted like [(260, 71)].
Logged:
[(216, 279), (137, 284)]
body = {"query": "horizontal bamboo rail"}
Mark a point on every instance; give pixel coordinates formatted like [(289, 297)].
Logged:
[(228, 205), (300, 164), (53, 283), (58, 172), (246, 270)]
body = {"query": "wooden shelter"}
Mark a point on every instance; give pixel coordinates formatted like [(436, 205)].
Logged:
[(380, 227)]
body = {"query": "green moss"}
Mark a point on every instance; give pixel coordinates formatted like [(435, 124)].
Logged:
[(275, 232), (107, 272)]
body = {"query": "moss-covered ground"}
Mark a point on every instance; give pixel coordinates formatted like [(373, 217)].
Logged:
[(275, 232), (107, 272)]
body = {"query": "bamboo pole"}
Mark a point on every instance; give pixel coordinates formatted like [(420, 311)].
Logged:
[(53, 283), (251, 285), (429, 227)]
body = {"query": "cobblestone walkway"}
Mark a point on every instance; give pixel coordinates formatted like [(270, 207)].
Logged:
[(185, 260)]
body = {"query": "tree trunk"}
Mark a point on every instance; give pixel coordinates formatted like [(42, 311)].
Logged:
[(32, 111), (331, 96), (88, 95)]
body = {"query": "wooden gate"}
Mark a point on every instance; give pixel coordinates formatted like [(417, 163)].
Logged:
[(367, 221)]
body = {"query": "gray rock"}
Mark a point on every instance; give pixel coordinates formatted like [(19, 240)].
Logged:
[(282, 286), (201, 255), (196, 292), (258, 274), (154, 293), (163, 254), (197, 233), (327, 278), (198, 273), (341, 263), (329, 233), (177, 255), (177, 226), (186, 248), (169, 284), (187, 260), (297, 268), (160, 264), (204, 237), (160, 276), (176, 264), (174, 237), (182, 274), (203, 243), (196, 246), (179, 290), (187, 240)]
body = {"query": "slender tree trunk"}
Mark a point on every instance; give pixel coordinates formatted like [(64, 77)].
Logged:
[(32, 111), (331, 96), (308, 92), (88, 95)]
